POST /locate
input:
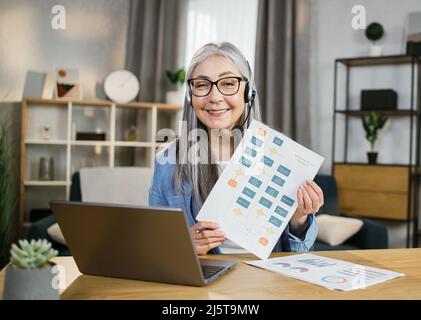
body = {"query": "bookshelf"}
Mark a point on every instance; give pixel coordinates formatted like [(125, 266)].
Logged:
[(384, 191), (51, 129)]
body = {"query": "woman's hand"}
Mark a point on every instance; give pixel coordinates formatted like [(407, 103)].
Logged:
[(310, 199), (206, 236)]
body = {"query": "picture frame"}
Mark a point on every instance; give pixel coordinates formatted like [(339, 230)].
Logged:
[(67, 85)]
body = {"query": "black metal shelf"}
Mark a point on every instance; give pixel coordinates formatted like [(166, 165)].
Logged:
[(382, 60), (412, 112), (389, 113)]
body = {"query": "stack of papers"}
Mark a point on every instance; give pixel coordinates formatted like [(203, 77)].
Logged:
[(326, 272)]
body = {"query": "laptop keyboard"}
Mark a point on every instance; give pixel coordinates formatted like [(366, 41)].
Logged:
[(209, 271)]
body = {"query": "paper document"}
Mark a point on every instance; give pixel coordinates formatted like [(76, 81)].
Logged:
[(326, 272), (256, 194)]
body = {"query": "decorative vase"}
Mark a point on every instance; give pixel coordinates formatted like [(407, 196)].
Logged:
[(174, 97), (30, 284), (372, 157), (46, 169), (46, 130), (375, 50), (132, 134)]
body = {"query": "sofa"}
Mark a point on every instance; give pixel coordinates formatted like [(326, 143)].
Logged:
[(372, 235)]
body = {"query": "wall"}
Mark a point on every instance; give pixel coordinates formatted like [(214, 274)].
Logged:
[(94, 41), (333, 37)]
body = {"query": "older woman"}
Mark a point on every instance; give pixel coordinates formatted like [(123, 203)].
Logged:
[(221, 99)]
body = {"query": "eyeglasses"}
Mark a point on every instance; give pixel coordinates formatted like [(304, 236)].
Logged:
[(227, 86)]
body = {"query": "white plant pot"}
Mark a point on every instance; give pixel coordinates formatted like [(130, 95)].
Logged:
[(30, 284), (375, 50), (174, 97)]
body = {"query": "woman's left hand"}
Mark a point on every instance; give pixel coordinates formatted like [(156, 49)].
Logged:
[(310, 199)]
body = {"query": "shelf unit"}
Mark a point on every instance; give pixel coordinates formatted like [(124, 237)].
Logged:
[(388, 191), (65, 118)]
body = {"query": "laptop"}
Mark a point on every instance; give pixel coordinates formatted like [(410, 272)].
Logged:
[(134, 242)]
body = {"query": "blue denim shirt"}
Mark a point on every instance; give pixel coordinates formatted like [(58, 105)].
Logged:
[(163, 193)]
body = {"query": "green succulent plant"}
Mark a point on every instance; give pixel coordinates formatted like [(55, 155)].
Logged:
[(177, 76), (372, 124), (374, 31), (32, 255)]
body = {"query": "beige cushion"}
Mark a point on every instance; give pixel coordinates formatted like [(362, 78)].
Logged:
[(123, 185), (335, 230), (55, 233)]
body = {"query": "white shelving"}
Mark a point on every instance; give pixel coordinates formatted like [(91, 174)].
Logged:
[(134, 144), (64, 119), (40, 183), (41, 141), (90, 143)]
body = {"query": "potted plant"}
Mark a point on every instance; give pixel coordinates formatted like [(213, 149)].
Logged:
[(177, 78), (8, 192), (374, 32), (30, 274), (371, 125)]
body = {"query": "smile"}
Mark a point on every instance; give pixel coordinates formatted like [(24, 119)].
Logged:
[(217, 113)]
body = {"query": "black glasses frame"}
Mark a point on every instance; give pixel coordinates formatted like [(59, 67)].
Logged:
[(216, 84)]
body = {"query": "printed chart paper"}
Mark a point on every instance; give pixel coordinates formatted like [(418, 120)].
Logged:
[(329, 273), (256, 194)]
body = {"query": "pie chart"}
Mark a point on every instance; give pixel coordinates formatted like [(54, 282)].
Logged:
[(300, 269), (333, 279), (282, 264)]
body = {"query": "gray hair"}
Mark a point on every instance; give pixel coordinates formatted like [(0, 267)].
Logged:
[(202, 176)]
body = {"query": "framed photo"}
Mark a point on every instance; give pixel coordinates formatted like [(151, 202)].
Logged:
[(67, 84), (34, 84)]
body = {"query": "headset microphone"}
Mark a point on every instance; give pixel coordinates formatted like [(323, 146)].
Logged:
[(249, 95)]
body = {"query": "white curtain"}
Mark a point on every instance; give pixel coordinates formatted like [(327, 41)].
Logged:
[(234, 21)]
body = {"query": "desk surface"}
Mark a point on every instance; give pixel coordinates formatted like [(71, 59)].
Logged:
[(248, 282)]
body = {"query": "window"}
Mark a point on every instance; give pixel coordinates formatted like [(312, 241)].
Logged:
[(234, 21)]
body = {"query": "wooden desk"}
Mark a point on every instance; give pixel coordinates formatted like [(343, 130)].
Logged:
[(247, 282)]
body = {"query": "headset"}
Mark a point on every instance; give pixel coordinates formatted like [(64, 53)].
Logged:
[(249, 96)]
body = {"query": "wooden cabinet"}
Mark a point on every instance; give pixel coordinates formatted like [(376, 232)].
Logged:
[(379, 191)]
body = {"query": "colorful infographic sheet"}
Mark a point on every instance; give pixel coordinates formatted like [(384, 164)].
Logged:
[(256, 194), (329, 273)]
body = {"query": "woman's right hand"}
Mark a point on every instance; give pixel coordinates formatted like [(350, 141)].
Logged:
[(207, 239)]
